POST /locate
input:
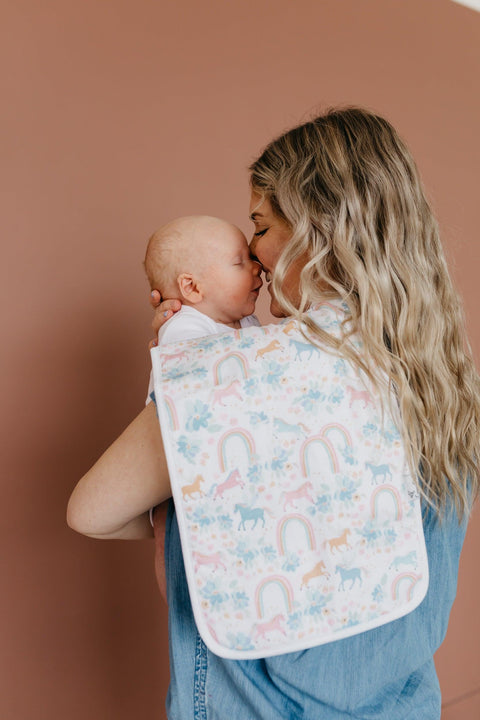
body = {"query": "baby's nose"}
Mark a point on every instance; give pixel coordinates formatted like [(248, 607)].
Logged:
[(257, 268)]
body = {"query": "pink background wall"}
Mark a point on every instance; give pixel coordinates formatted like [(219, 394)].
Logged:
[(117, 116)]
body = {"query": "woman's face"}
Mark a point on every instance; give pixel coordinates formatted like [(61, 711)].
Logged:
[(271, 236)]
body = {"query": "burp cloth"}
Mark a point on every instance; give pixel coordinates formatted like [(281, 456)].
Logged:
[(299, 520)]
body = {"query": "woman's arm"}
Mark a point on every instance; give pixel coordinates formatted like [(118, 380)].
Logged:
[(113, 498)]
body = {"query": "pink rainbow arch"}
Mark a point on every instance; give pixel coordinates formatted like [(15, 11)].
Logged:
[(408, 579), (393, 493), (246, 438), (282, 529), (240, 359), (326, 430), (328, 447), (171, 412), (285, 587)]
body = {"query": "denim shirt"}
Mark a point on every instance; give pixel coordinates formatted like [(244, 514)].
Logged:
[(384, 674)]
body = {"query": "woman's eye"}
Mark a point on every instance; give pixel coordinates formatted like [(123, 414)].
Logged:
[(261, 232)]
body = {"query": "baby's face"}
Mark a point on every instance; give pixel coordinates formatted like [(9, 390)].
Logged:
[(231, 279)]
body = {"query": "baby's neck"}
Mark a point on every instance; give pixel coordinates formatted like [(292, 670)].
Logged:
[(213, 315)]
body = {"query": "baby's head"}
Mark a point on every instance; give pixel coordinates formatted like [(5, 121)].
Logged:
[(205, 262)]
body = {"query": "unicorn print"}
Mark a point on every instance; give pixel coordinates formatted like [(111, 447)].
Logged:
[(180, 355), (379, 471), (275, 625), (302, 348), (271, 347), (408, 559), (304, 491), (214, 559), (231, 390), (318, 571), (195, 487), (353, 574), (281, 426), (337, 542), (359, 395), (232, 481), (249, 513), (287, 329)]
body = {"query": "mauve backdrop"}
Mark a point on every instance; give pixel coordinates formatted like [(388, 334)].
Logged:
[(117, 116)]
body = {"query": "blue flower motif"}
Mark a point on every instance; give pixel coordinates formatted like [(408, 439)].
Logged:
[(187, 448), (317, 603), (269, 553), (199, 416), (347, 454), (254, 473), (324, 503), (201, 518), (280, 457), (377, 593), (174, 373), (347, 490), (257, 417), (353, 619), (200, 372), (240, 642), (206, 343), (291, 562), (391, 434), (336, 396), (274, 374), (294, 621), (310, 400), (390, 536), (369, 429), (246, 341), (240, 600), (250, 386), (211, 593), (225, 522), (339, 367), (245, 553), (370, 533)]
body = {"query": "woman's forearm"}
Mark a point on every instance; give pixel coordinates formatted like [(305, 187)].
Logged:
[(113, 498)]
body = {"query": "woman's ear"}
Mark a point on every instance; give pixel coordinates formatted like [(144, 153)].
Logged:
[(189, 288)]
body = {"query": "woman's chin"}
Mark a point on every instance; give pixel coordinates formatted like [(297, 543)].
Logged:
[(276, 310)]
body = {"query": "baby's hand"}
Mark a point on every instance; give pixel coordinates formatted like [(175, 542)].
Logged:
[(163, 310)]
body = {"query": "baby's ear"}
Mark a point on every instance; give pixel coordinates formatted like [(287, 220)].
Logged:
[(189, 288)]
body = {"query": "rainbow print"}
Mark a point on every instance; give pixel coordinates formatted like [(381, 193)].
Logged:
[(391, 492), (406, 579), (238, 358), (282, 529), (330, 452), (285, 588), (169, 406), (246, 439), (327, 430)]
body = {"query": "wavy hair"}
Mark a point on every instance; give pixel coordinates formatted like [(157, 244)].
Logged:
[(350, 192)]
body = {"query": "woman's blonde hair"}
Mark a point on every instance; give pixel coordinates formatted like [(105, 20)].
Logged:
[(350, 191)]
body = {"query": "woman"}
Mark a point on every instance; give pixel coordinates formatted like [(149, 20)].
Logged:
[(338, 210)]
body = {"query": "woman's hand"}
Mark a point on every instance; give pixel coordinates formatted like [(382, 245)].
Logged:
[(163, 311)]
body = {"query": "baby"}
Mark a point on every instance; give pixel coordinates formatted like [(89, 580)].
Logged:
[(205, 263)]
